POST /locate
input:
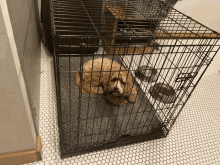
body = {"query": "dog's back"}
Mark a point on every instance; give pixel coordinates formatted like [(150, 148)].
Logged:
[(96, 67)]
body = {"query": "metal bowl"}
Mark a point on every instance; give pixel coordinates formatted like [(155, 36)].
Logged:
[(146, 73), (163, 93)]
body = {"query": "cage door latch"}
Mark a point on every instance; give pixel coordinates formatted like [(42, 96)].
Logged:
[(184, 77)]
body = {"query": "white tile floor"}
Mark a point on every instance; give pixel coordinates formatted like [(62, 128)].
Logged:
[(194, 139)]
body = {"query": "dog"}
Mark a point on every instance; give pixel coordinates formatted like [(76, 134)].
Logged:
[(107, 76)]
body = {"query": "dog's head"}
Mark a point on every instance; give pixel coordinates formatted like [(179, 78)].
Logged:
[(117, 83)]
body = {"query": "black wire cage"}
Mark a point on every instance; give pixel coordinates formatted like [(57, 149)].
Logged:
[(163, 52)]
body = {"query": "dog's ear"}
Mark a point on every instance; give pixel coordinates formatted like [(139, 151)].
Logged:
[(128, 83), (123, 76), (130, 89), (123, 79), (103, 77), (105, 85)]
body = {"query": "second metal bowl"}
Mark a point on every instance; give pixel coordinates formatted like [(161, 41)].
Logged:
[(163, 93)]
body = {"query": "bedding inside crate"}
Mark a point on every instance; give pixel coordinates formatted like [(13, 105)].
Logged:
[(99, 121)]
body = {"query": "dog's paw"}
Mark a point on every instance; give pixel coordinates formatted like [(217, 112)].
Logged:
[(123, 102), (100, 90), (120, 103), (133, 98), (117, 100)]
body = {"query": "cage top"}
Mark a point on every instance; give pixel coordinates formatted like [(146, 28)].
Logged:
[(127, 19)]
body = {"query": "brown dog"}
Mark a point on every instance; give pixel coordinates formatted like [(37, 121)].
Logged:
[(107, 76)]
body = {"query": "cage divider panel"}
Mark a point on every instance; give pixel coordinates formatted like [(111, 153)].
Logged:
[(133, 34)]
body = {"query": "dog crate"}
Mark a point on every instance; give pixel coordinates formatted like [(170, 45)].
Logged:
[(165, 52)]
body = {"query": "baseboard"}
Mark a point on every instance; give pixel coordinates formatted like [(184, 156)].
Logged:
[(22, 157)]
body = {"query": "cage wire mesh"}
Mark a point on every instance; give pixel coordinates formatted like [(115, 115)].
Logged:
[(164, 51)]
